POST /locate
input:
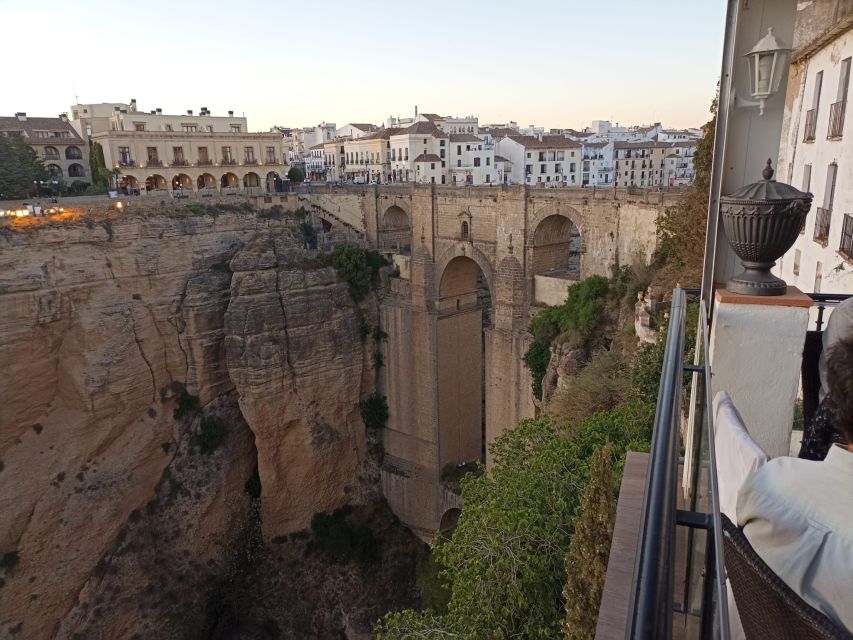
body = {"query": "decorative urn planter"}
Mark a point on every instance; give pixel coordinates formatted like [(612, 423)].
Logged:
[(762, 220)]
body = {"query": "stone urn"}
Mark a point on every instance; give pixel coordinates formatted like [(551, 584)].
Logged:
[(762, 221)]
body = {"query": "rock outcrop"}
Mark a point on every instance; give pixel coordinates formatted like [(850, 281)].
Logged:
[(101, 323)]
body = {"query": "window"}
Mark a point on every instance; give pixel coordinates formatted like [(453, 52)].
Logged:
[(432, 165), (797, 255), (838, 108), (271, 155), (488, 178), (153, 157), (811, 114), (407, 153), (829, 189), (226, 155), (476, 162), (139, 126), (459, 163), (561, 155), (51, 153), (76, 171), (528, 155), (168, 127), (441, 153), (178, 155), (846, 246), (542, 168), (249, 153), (464, 231), (203, 157), (124, 156), (818, 276), (189, 128), (441, 143), (488, 161), (235, 128), (541, 156), (442, 180), (807, 177), (459, 150)]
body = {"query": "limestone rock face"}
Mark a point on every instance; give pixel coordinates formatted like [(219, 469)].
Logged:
[(297, 360), (98, 324)]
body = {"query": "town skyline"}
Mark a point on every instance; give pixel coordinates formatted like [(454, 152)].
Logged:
[(562, 67)]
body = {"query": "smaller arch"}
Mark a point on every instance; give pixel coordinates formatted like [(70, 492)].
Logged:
[(273, 182), (206, 181), (155, 182), (449, 522), (51, 153), (182, 181), (73, 153), (55, 170), (128, 182), (464, 231), (251, 179), (557, 248), (229, 181), (395, 218), (76, 171)]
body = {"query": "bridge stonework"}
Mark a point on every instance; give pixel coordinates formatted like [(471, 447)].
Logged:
[(477, 261)]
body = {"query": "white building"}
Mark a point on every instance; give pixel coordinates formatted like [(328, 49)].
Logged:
[(355, 130), (654, 164), (597, 169), (816, 156), (541, 160)]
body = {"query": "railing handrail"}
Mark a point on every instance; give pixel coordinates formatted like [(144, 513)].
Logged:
[(652, 592)]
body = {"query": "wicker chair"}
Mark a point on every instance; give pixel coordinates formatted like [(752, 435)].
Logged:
[(768, 607)]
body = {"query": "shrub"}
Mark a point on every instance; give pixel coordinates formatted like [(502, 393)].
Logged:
[(599, 386), (374, 411), (211, 435), (341, 542), (309, 234), (9, 560), (356, 266), (188, 405), (295, 174), (435, 591)]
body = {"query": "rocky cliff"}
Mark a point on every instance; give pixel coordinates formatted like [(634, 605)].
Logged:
[(104, 494)]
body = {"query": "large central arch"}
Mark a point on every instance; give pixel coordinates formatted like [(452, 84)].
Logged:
[(557, 248), (464, 312), (395, 230)]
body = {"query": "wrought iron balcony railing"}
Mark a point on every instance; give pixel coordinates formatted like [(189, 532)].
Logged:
[(228, 161), (821, 225), (205, 163), (180, 162), (155, 162), (836, 120), (811, 125)]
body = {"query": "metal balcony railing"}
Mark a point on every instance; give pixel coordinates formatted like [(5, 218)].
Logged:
[(207, 162), (846, 245), (228, 161), (180, 162), (155, 162), (250, 161), (811, 125), (836, 120), (126, 163), (821, 225), (50, 157)]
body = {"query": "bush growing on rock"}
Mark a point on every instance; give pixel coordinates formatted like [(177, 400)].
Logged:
[(188, 405), (356, 266), (211, 435), (340, 541)]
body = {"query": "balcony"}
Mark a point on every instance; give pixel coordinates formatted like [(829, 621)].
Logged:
[(154, 162), (836, 120), (180, 162), (271, 161), (821, 225), (51, 156), (205, 163), (811, 125), (228, 162), (127, 162), (250, 161)]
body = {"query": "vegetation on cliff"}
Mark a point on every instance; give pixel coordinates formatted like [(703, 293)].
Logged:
[(356, 266), (20, 166)]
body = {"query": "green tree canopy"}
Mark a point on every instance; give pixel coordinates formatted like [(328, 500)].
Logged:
[(295, 174), (97, 165), (19, 166)]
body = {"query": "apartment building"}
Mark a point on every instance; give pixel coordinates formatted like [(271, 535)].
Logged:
[(356, 130), (369, 158), (597, 169), (57, 144), (815, 155), (314, 162), (542, 160), (472, 161), (335, 157), (654, 164), (164, 152)]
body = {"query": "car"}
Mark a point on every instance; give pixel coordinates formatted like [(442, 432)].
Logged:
[(306, 183), (358, 180)]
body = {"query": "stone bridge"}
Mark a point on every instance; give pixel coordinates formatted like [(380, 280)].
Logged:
[(474, 264)]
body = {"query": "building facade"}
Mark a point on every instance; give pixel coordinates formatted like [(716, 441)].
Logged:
[(57, 144), (156, 152), (816, 156), (654, 164), (542, 160)]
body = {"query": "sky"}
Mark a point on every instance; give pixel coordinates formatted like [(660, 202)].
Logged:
[(279, 62)]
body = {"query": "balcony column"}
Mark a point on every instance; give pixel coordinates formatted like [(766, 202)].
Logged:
[(756, 351)]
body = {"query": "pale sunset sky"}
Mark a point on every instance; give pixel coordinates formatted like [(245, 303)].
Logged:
[(549, 63)]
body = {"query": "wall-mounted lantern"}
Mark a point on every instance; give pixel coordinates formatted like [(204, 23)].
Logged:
[(762, 221), (767, 64)]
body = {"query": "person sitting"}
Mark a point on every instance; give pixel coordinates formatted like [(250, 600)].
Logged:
[(820, 433), (798, 514)]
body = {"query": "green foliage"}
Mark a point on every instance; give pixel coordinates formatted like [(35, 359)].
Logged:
[(253, 485), (599, 386), (374, 411), (452, 474), (309, 234), (358, 267), (275, 212), (98, 167), (9, 560), (211, 434), (586, 560), (295, 174), (340, 541), (19, 166), (188, 405), (580, 316), (435, 591), (506, 560)]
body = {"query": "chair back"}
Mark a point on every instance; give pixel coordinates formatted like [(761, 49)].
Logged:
[(769, 608)]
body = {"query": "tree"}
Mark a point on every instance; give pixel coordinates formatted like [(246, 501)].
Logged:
[(586, 561), (97, 165), (19, 167), (295, 174)]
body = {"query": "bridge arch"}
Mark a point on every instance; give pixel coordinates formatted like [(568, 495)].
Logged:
[(449, 521), (556, 247), (395, 230), (463, 250)]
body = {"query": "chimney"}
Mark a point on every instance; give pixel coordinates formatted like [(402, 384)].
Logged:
[(159, 111), (20, 115), (204, 111), (116, 109), (230, 114), (153, 112), (63, 117), (189, 112), (133, 104), (416, 112)]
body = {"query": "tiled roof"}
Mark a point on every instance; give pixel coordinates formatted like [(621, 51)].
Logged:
[(547, 142), (29, 126), (464, 137), (363, 126), (595, 145), (502, 132), (384, 134), (500, 159), (427, 157), (423, 128), (431, 116), (647, 145)]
